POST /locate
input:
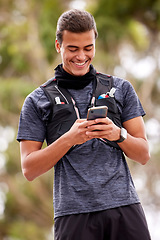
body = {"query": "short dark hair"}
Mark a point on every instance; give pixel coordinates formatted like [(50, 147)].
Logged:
[(76, 21)]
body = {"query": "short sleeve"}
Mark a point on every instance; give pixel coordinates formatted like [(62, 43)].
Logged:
[(127, 100), (33, 117)]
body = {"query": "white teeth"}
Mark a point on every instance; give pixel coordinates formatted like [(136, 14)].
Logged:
[(80, 64)]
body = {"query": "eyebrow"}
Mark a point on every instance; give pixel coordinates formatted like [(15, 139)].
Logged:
[(72, 46)]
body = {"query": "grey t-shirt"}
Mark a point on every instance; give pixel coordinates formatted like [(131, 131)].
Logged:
[(93, 176)]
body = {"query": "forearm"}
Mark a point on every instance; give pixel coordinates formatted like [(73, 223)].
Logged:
[(135, 146), (36, 161), (136, 149), (40, 161)]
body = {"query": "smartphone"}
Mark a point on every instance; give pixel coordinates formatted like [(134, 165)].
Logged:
[(97, 112)]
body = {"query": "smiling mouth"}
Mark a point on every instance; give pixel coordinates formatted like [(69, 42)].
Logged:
[(81, 64)]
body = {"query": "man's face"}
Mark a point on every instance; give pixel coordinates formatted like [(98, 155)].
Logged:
[(77, 51)]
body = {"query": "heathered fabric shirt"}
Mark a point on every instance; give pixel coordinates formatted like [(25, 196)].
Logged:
[(93, 176)]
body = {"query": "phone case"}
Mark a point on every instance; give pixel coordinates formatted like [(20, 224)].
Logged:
[(97, 112)]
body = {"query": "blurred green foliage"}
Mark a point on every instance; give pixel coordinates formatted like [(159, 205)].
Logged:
[(48, 18)]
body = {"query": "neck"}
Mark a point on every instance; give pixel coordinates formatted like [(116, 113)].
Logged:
[(66, 80)]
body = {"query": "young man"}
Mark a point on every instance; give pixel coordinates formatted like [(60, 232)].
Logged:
[(94, 195)]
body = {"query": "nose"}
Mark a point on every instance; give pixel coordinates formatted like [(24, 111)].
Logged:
[(81, 55)]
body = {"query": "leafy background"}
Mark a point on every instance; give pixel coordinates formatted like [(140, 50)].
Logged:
[(128, 46)]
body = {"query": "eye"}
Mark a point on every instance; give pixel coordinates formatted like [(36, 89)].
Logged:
[(88, 48), (72, 49)]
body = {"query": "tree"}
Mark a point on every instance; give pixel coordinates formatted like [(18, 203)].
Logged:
[(27, 33), (128, 45)]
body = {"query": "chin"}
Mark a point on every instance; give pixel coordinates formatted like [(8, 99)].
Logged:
[(80, 73)]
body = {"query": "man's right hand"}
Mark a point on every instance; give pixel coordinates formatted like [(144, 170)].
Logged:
[(77, 133)]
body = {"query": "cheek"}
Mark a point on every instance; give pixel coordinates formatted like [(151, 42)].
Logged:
[(66, 56), (91, 55)]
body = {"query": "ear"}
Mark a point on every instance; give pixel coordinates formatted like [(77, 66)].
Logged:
[(58, 47)]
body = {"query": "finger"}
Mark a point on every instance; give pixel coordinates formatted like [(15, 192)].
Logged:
[(99, 127), (80, 120), (103, 120), (87, 123), (98, 134)]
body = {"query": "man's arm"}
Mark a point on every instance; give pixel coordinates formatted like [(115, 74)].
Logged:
[(135, 146), (36, 161)]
